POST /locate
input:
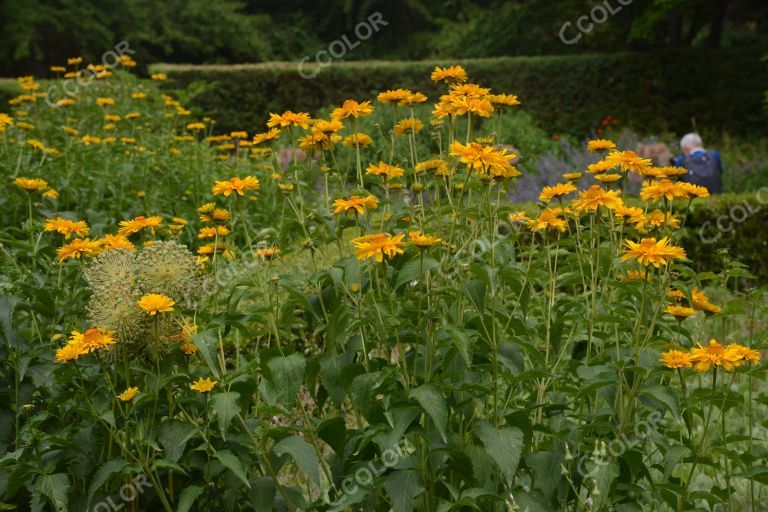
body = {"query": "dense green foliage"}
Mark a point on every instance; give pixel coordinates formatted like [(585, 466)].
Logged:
[(657, 91), (41, 33)]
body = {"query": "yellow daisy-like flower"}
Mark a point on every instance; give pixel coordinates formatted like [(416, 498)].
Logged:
[(218, 215), (746, 353), (407, 126), (66, 227), (129, 227), (655, 190), (676, 359), (628, 161), (715, 354), (519, 217), (694, 190), (452, 74), (608, 178), (203, 385), (78, 248), (572, 176), (102, 102), (270, 135), (361, 139), (95, 338), (595, 197), (355, 204), (289, 119), (650, 252), (154, 303), (378, 245), (600, 145), (385, 170), (421, 240), (267, 252), (31, 184), (394, 96), (110, 242), (352, 108), (701, 302), (219, 231), (237, 185), (601, 166), (558, 190), (548, 219), (680, 312), (507, 100), (69, 352)]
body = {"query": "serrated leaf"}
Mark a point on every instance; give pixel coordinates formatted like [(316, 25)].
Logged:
[(102, 474), (433, 403), (286, 374), (187, 497), (173, 437), (403, 486), (226, 407), (54, 487), (503, 445), (413, 269), (231, 462), (303, 455)]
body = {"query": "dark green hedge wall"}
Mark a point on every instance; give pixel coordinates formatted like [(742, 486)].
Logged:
[(652, 92)]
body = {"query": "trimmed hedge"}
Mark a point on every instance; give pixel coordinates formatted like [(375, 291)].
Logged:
[(653, 92)]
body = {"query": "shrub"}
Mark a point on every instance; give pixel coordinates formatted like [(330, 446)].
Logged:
[(658, 91)]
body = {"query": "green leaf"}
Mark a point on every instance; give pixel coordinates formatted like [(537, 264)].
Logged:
[(263, 494), (231, 462), (55, 488), (504, 446), (302, 453), (226, 407), (413, 269), (173, 437), (187, 497), (286, 374), (403, 486), (476, 292), (202, 341), (432, 401), (546, 470), (102, 474)]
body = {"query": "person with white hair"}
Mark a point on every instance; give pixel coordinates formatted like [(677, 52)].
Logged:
[(705, 168)]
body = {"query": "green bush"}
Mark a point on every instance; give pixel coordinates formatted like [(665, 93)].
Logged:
[(659, 91)]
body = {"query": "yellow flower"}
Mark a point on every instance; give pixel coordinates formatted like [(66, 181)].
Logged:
[(355, 204), (394, 96), (650, 252), (352, 108), (73, 61), (78, 248), (69, 352), (559, 190), (715, 354), (51, 193), (361, 139), (656, 190), (288, 119), (676, 359), (608, 178), (421, 240), (694, 190), (111, 242), (237, 185), (93, 339), (102, 102), (628, 161), (746, 353), (378, 245), (31, 184), (407, 126), (129, 394), (66, 227), (508, 100), (452, 74), (129, 227), (385, 170), (434, 164), (154, 303), (519, 217), (267, 252), (548, 219), (595, 197), (159, 76), (572, 176), (600, 145), (203, 385), (702, 303), (138, 95), (268, 136), (485, 160), (213, 232), (680, 312)]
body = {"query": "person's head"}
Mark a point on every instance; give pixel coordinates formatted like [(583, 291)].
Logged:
[(690, 143)]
